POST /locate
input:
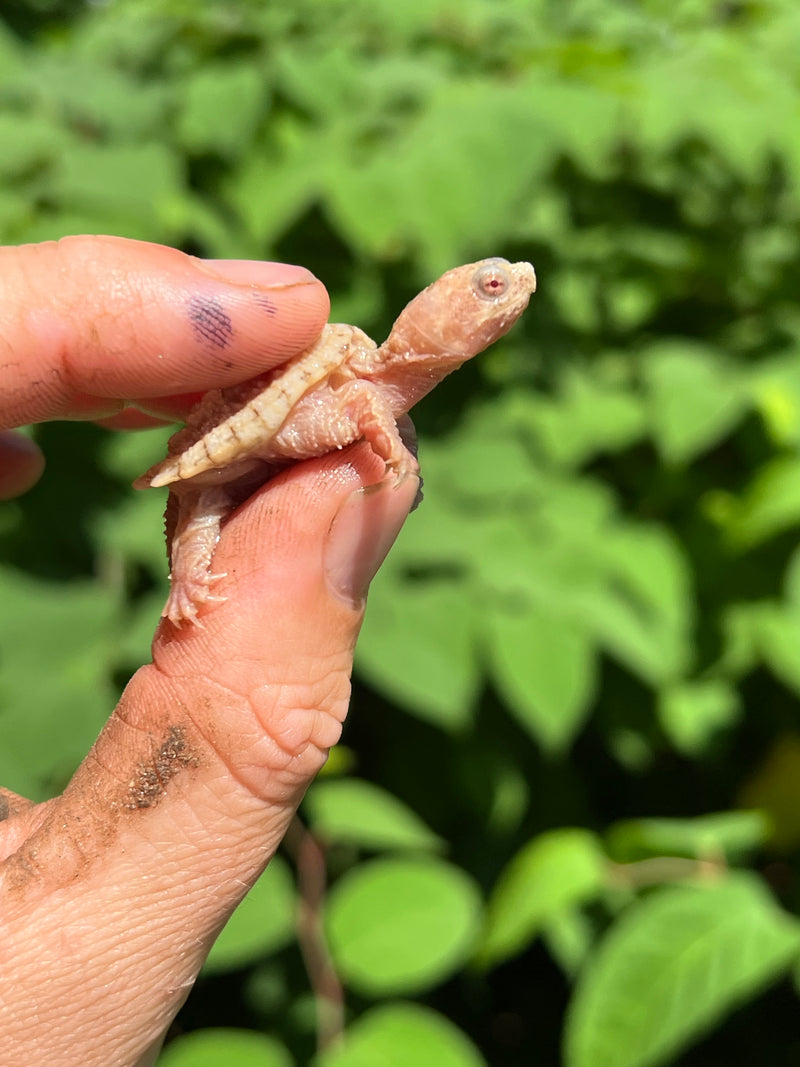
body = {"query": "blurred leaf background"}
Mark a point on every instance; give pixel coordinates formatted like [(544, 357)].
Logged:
[(563, 825)]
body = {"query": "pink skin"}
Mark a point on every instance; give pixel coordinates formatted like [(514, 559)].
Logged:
[(113, 891)]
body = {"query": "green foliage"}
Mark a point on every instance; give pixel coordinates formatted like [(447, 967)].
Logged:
[(593, 619), (75, 629), (401, 925), (684, 957), (399, 1034), (347, 810), (734, 834), (550, 875), (264, 923), (239, 1048)]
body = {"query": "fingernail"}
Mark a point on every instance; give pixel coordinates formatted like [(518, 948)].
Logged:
[(257, 272), (408, 435), (362, 532)]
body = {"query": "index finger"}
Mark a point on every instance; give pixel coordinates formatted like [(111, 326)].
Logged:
[(89, 325)]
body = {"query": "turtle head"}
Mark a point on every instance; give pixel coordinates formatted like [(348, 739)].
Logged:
[(454, 319)]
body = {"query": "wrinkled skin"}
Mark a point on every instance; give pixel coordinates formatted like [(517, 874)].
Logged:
[(113, 892)]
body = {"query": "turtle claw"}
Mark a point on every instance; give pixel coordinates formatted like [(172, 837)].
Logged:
[(185, 598)]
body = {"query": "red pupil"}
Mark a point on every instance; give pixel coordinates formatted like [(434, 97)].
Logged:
[(490, 281)]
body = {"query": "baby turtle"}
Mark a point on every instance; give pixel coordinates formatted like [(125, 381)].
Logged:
[(342, 389)]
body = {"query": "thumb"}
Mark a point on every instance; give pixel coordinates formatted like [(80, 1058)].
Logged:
[(297, 558), (127, 877)]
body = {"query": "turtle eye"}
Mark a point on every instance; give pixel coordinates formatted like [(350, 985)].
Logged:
[(492, 280)]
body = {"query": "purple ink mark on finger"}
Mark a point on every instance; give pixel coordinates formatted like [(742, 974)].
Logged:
[(210, 322)]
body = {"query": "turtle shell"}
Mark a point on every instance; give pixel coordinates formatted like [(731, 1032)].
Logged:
[(234, 424)]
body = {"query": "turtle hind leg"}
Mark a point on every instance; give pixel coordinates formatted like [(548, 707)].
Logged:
[(195, 534)]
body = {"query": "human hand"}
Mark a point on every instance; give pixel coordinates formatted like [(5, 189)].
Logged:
[(114, 891)]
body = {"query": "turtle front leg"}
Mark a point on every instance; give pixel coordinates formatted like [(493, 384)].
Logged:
[(372, 419), (331, 419)]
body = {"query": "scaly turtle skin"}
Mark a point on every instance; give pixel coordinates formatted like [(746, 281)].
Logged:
[(342, 389)]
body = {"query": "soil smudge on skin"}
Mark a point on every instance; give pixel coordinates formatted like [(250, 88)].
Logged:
[(12, 804), (147, 787), (75, 834)]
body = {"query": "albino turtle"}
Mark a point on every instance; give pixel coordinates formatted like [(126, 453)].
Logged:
[(342, 389)]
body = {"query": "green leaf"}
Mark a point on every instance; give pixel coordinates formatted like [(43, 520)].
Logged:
[(134, 528), (49, 718), (15, 215), (13, 54), (742, 101), (577, 107), (134, 646), (550, 875), (402, 1035), (133, 532), (364, 814), (672, 967), (568, 937), (769, 505), (576, 293), (222, 104), (263, 922), (471, 195), (233, 1048), (28, 144), (93, 99), (645, 611), (732, 834), (401, 925), (134, 182), (485, 458), (127, 455), (696, 395), (631, 302), (417, 647), (560, 547), (791, 581), (776, 630), (546, 670), (693, 713), (269, 198), (587, 416), (777, 398)]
